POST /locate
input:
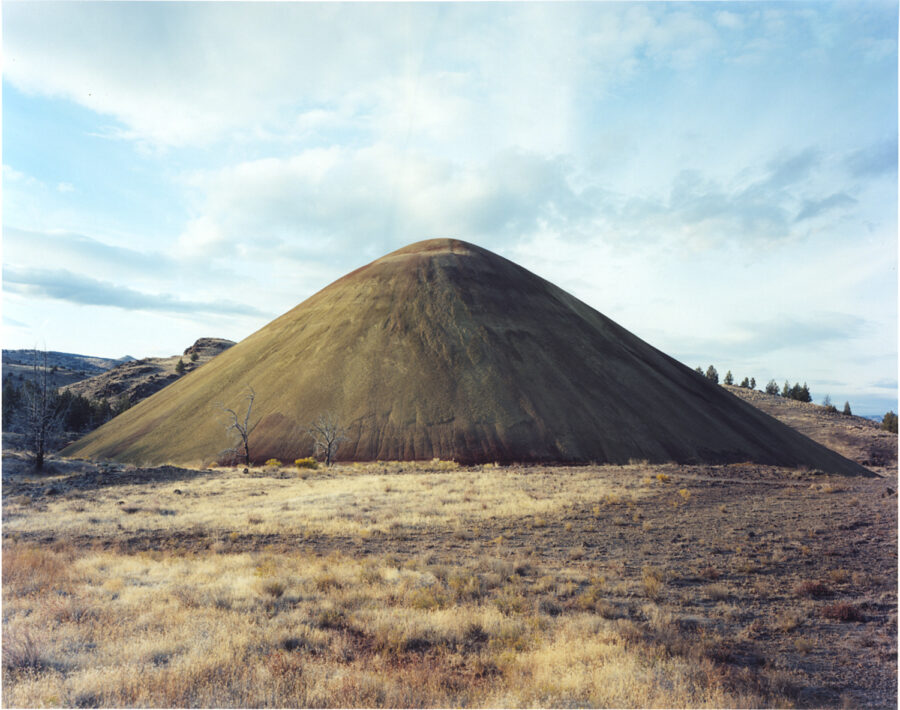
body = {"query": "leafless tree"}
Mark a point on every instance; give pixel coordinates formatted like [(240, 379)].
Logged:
[(327, 434), (244, 428), (43, 414)]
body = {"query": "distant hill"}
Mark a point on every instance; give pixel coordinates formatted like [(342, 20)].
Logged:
[(138, 379), (66, 367), (858, 438), (444, 349), (69, 361)]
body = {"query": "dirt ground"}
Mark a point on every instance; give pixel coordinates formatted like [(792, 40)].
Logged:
[(786, 579)]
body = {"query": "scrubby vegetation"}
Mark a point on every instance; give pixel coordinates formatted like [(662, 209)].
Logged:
[(430, 584), (77, 414), (889, 422)]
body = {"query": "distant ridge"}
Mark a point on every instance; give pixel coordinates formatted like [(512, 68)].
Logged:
[(444, 349), (70, 361), (135, 380)]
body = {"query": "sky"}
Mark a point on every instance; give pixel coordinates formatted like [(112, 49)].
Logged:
[(718, 178)]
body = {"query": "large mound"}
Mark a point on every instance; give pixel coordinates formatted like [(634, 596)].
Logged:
[(443, 349)]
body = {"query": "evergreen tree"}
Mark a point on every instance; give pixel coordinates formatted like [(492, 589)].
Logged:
[(729, 378), (12, 401), (786, 390), (179, 368), (712, 374), (889, 422), (122, 403), (194, 357), (698, 370), (772, 387), (101, 412), (745, 383), (78, 409), (801, 394), (827, 401), (753, 383), (847, 408)]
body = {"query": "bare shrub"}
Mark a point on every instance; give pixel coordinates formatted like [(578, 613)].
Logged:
[(28, 568), (652, 581), (842, 611), (21, 652), (810, 588)]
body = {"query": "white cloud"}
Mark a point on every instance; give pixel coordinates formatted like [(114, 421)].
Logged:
[(176, 74), (201, 238), (321, 201), (11, 175), (729, 20)]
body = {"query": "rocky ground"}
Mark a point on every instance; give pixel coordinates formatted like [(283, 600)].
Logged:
[(856, 438)]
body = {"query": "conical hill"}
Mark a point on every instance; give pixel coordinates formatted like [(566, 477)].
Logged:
[(443, 349)]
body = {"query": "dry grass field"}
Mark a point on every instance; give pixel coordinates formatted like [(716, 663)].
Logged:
[(434, 585)]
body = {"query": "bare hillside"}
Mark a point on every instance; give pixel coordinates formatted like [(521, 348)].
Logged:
[(138, 379), (857, 438)]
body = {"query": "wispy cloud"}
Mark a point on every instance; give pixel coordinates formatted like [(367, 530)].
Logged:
[(11, 175), (751, 339), (873, 160), (64, 285), (814, 208), (20, 244)]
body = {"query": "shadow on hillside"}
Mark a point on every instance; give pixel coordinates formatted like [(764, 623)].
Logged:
[(60, 476)]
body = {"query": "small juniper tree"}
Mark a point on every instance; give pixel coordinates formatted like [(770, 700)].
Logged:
[(753, 383), (745, 383), (786, 391), (194, 357), (179, 367), (772, 387), (847, 408), (889, 422), (712, 374), (729, 378), (698, 370)]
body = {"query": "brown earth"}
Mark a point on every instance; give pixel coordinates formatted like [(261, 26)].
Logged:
[(443, 349)]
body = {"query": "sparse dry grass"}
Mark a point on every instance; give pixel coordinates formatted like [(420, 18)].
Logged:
[(296, 630), (353, 500), (412, 585)]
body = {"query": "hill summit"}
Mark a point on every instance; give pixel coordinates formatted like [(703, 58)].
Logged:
[(444, 349)]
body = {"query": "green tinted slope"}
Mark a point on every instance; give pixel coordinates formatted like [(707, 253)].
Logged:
[(443, 349)]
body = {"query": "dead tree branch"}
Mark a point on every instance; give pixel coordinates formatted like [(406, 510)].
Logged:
[(327, 433), (241, 427)]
